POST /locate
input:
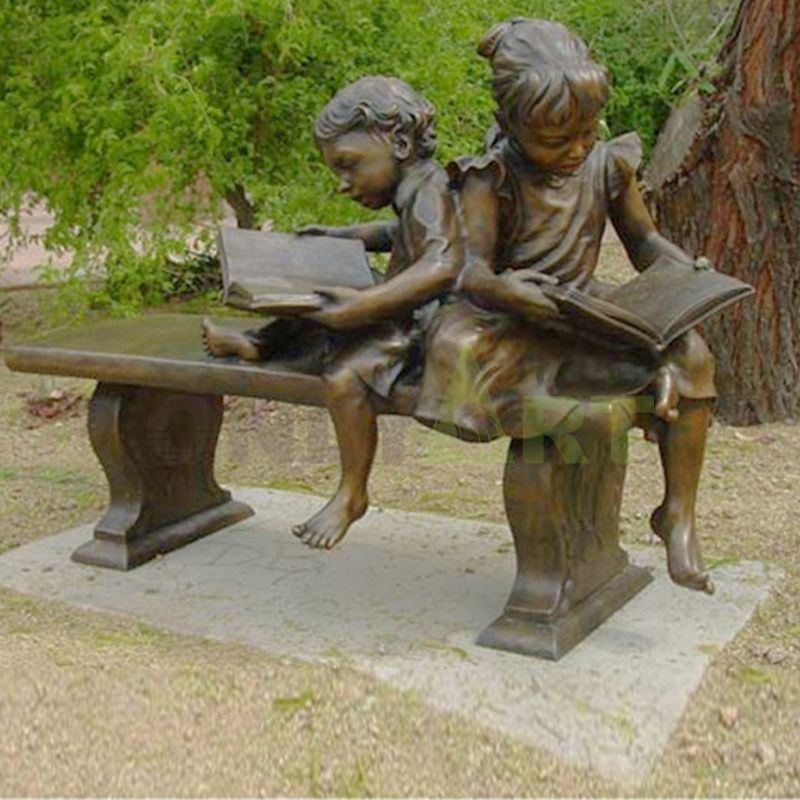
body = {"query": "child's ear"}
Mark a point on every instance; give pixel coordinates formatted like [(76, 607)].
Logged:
[(403, 145)]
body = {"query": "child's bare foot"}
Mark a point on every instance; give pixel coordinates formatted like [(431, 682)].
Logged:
[(328, 526), (666, 395), (683, 552), (219, 342)]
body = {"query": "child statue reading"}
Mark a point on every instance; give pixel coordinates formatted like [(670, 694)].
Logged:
[(378, 136), (534, 209)]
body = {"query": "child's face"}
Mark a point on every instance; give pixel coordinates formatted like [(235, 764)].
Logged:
[(367, 165), (560, 150)]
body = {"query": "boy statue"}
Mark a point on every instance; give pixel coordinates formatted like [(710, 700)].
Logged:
[(378, 136)]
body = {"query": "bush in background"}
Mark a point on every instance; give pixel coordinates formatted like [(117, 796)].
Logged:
[(132, 119)]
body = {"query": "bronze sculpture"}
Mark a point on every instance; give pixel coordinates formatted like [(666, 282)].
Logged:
[(482, 270), (535, 205), (378, 136)]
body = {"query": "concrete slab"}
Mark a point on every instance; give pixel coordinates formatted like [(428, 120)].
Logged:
[(404, 599)]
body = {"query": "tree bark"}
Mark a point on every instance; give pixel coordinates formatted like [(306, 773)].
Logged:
[(242, 207), (732, 193)]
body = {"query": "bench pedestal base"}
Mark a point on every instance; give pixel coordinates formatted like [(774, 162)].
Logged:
[(157, 450), (531, 636), (563, 510)]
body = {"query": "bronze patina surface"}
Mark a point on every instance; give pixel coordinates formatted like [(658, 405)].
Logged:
[(377, 135), (157, 450), (161, 351), (155, 440), (562, 500)]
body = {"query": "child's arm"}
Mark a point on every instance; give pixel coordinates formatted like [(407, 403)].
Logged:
[(637, 231), (431, 275), (481, 214), (378, 237), (353, 308)]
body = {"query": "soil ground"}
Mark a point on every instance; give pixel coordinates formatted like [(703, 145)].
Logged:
[(97, 705)]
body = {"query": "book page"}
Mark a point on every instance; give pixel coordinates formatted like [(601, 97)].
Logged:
[(258, 263), (673, 296)]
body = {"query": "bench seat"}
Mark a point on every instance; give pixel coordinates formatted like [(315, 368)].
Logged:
[(162, 351)]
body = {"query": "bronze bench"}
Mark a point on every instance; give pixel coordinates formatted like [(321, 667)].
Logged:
[(155, 417)]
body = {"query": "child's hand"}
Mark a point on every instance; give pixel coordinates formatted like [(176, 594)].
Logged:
[(537, 304), (337, 313), (532, 275), (541, 307)]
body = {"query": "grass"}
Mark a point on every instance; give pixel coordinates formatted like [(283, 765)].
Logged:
[(294, 703)]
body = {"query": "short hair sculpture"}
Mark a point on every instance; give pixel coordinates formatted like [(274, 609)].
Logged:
[(379, 103)]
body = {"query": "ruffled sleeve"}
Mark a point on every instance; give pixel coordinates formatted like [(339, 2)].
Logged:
[(624, 156), (490, 163)]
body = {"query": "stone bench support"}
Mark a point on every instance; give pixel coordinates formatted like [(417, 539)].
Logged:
[(157, 450), (572, 573)]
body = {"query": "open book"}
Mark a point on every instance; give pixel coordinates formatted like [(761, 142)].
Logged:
[(276, 273), (653, 309)]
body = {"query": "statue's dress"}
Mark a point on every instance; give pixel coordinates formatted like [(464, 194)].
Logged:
[(490, 373)]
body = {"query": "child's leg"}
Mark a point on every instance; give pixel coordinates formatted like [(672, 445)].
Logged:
[(355, 421), (687, 371), (219, 341), (681, 445)]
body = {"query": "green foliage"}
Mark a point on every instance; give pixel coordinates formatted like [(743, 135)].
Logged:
[(132, 119)]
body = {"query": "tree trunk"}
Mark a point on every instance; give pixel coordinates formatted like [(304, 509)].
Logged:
[(242, 207), (725, 183)]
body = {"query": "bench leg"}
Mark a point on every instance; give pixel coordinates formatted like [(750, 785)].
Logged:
[(157, 450), (572, 573)]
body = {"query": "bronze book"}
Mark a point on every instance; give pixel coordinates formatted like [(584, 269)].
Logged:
[(276, 273), (653, 309)]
